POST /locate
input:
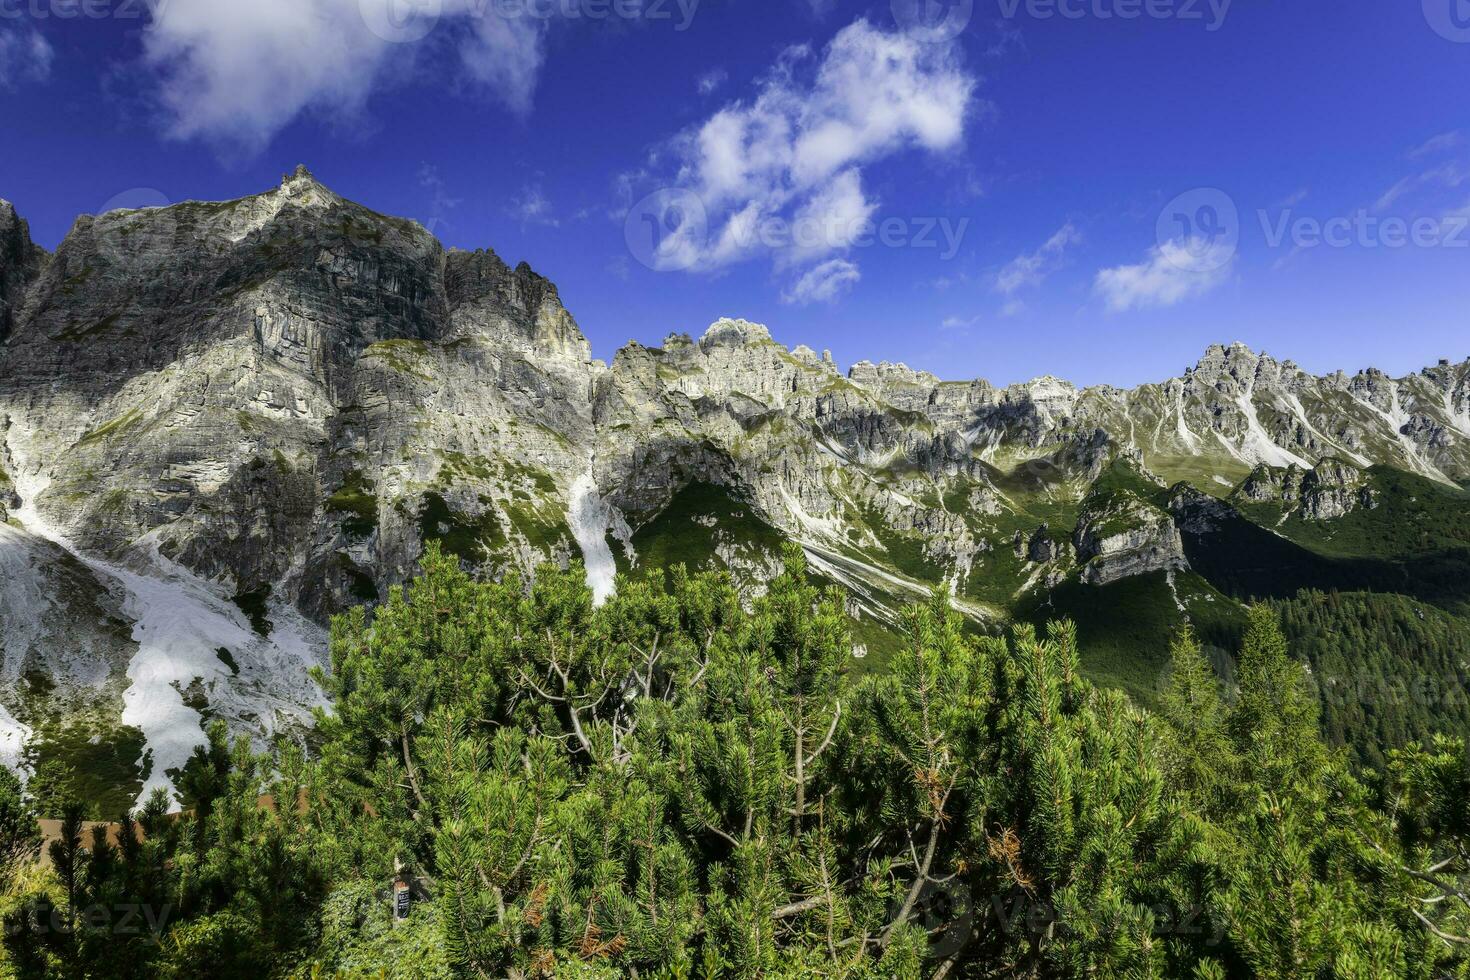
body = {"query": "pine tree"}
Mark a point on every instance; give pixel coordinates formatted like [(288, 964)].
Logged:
[(1200, 755)]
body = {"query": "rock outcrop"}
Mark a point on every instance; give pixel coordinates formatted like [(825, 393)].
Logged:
[(21, 261), (1120, 536), (1331, 489), (275, 402)]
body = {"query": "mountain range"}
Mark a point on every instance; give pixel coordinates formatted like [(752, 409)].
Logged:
[(222, 423)]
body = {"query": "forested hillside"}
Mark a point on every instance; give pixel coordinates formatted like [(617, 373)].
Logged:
[(1386, 668), (675, 784)]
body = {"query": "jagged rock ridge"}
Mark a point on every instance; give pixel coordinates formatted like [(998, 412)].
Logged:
[(277, 400)]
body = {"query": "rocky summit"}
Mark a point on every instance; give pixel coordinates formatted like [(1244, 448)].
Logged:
[(222, 423)]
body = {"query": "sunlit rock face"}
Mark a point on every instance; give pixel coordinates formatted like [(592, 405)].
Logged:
[(270, 405)]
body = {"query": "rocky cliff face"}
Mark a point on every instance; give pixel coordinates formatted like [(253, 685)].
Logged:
[(21, 261), (1121, 536), (271, 404)]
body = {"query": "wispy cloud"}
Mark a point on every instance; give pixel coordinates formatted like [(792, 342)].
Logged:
[(237, 73), (440, 202), (530, 207), (824, 283), (25, 56), (1439, 144), (1031, 269), (1007, 37), (1293, 199), (1450, 173), (1170, 274), (1447, 176), (712, 80), (795, 152)]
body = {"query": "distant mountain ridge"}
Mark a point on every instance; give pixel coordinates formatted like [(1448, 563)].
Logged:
[(272, 404)]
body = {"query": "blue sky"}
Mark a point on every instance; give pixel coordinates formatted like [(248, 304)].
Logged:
[(1037, 192)]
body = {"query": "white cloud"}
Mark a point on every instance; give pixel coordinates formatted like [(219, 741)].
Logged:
[(958, 322), (1440, 143), (441, 203), (237, 73), (1173, 272), (824, 283), (712, 80), (1007, 36), (532, 207), (24, 56), (1032, 269), (1013, 307), (830, 219), (1293, 199), (781, 173), (1448, 175)]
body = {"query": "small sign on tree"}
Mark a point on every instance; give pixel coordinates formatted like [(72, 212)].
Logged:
[(402, 899)]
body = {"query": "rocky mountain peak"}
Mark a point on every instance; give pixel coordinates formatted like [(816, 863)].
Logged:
[(886, 374), (728, 332), (302, 187), (21, 261), (486, 295)]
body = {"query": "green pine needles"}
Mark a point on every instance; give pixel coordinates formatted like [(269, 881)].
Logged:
[(682, 786)]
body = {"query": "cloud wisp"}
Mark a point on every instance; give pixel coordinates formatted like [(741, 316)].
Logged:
[(1172, 272), (1033, 268), (25, 56), (781, 175)]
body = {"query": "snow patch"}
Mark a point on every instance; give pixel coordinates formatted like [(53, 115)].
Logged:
[(13, 738), (1397, 419), (180, 622), (590, 518), (1297, 409), (1257, 445)]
